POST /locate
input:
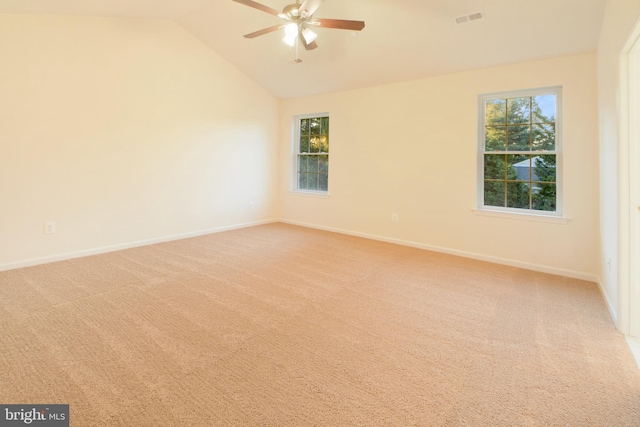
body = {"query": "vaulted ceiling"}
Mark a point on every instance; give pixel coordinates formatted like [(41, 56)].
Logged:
[(402, 40)]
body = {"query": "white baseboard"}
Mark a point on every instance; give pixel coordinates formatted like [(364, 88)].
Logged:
[(471, 255), (464, 254), (634, 345), (105, 249), (613, 312)]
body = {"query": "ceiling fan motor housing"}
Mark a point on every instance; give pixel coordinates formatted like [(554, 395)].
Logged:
[(292, 10)]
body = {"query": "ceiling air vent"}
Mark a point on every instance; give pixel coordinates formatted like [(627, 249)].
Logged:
[(476, 16)]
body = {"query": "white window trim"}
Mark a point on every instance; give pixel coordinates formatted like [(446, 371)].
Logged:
[(310, 193), (522, 216), (559, 152), (295, 150)]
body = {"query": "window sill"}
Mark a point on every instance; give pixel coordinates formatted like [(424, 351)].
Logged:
[(522, 216), (310, 194)]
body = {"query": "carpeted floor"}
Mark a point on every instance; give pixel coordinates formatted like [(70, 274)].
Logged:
[(279, 325)]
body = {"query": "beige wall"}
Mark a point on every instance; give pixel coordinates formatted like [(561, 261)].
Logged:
[(619, 20), (124, 131), (410, 148)]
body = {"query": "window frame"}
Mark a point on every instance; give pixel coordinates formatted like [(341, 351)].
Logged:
[(558, 152), (295, 152)]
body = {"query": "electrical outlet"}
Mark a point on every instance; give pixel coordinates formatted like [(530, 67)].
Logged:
[(394, 217), (49, 227), (252, 205)]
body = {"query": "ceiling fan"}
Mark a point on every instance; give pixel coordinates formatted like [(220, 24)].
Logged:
[(298, 18)]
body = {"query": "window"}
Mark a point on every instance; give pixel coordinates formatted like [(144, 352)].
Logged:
[(519, 160), (312, 153)]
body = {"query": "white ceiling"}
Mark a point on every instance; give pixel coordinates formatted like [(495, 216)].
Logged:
[(402, 40)]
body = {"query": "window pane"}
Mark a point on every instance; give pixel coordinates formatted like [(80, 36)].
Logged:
[(313, 163), (519, 168), (544, 197), (518, 195), (494, 194), (304, 144), (495, 166), (323, 182), (312, 181), (324, 126), (314, 125), (323, 163), (323, 144), (302, 163), (519, 138), (545, 168), (544, 109), (518, 161), (518, 110), (496, 112), (496, 138), (302, 181), (304, 127), (314, 144), (544, 137)]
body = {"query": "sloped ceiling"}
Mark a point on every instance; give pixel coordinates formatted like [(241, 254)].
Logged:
[(402, 40)]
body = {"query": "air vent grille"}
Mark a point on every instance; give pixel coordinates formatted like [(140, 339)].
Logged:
[(476, 16)]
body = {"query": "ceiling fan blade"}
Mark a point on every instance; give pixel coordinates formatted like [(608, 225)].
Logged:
[(258, 6), (307, 46), (263, 31), (311, 6), (341, 24)]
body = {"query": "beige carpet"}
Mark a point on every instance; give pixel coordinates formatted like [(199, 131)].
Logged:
[(279, 325)]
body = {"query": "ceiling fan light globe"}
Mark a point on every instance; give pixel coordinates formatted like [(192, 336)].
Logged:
[(309, 36), (289, 41), (291, 30)]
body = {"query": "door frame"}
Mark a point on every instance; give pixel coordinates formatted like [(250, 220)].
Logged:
[(628, 187)]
